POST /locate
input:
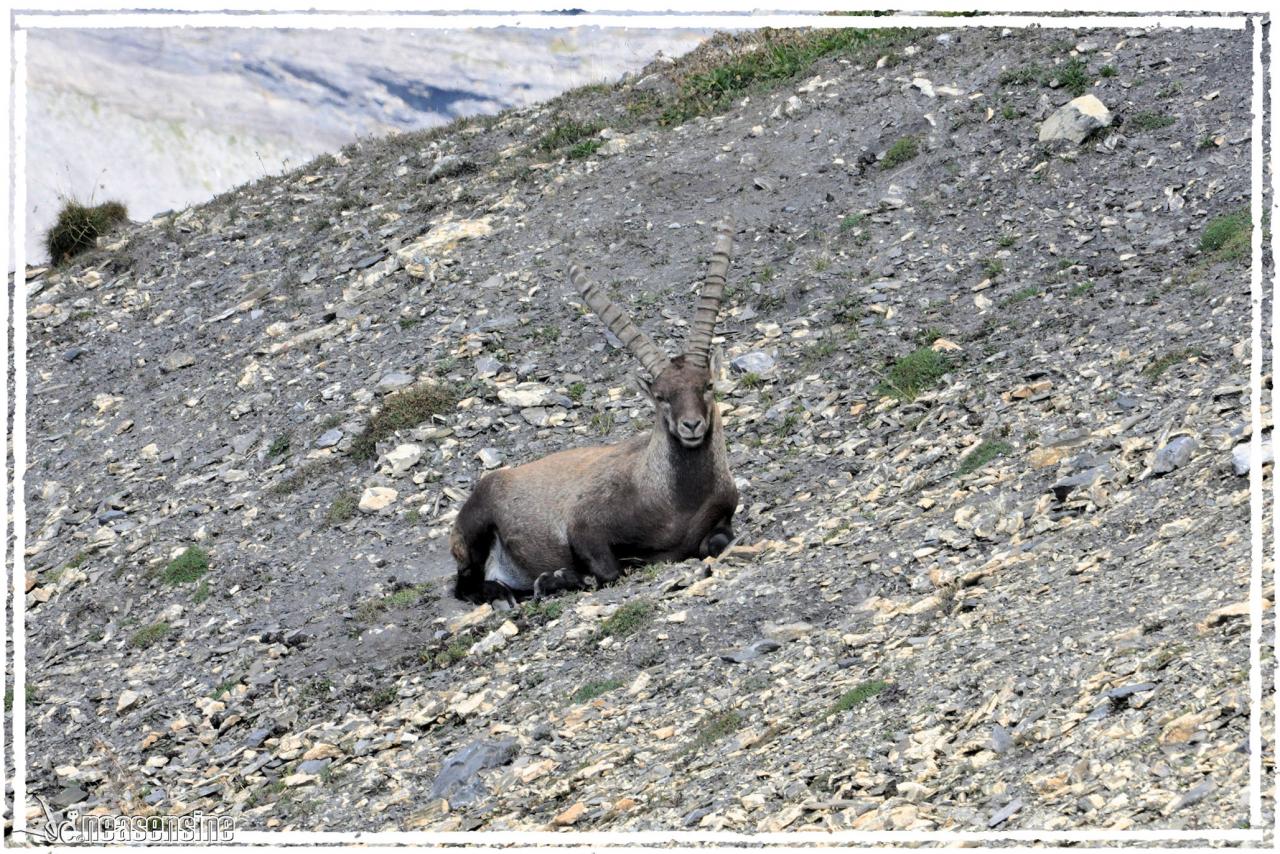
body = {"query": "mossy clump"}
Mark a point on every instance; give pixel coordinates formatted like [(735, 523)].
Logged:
[(149, 636), (900, 152), (1227, 237), (78, 228), (857, 696), (981, 455), (187, 567), (1151, 120), (403, 410), (627, 620), (716, 727), (591, 690), (914, 374), (343, 508), (766, 58)]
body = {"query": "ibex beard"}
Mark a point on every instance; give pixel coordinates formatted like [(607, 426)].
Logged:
[(666, 495)]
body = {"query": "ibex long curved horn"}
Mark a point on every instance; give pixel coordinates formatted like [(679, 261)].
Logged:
[(617, 322), (704, 317)]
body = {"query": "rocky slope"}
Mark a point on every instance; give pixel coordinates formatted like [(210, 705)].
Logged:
[(982, 411)]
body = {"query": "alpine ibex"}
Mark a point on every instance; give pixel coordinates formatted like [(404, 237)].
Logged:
[(666, 495)]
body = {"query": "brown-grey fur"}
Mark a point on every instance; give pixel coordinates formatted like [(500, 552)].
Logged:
[(660, 496)]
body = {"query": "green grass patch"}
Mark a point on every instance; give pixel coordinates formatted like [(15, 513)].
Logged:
[(584, 149), (627, 620), (402, 410), (857, 696), (1151, 120), (900, 152), (1024, 75), (993, 268), (343, 508), (1022, 295), (187, 567), (402, 598), (1074, 77), (300, 477), (591, 690), (149, 636), (1228, 237), (279, 445), (980, 456), (768, 57), (568, 133), (1081, 289), (1107, 71), (914, 374), (448, 655), (203, 591), (714, 729), (544, 611), (1167, 361), (78, 228)]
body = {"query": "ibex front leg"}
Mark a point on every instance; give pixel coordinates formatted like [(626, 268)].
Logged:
[(594, 554)]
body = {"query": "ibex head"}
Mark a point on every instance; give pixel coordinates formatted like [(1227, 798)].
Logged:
[(682, 388)]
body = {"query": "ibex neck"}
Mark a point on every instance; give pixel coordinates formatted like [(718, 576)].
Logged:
[(690, 473)]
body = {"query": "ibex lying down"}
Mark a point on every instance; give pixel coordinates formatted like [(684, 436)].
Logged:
[(664, 495)]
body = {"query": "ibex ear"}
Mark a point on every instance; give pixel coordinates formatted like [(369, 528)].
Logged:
[(645, 386)]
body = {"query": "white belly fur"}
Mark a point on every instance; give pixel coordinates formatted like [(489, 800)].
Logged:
[(500, 567)]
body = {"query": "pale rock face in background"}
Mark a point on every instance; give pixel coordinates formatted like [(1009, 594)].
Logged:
[(166, 118)]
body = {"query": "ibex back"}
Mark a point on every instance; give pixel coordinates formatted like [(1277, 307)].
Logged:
[(665, 495)]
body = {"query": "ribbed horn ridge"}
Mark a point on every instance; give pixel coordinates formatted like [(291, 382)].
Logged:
[(617, 322), (704, 317)]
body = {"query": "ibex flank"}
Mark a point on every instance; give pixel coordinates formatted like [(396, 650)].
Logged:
[(665, 495)]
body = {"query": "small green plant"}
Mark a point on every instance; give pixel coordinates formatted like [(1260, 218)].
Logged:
[(591, 690), (408, 321), (203, 591), (279, 445), (715, 728), (343, 508), (382, 697), (298, 479), (900, 152), (857, 696), (1009, 113), (993, 268), (1169, 91), (1107, 71), (1081, 289), (1022, 295), (848, 309), (543, 611), (914, 374), (149, 636), (751, 380), (584, 149), (852, 221), (1151, 120), (576, 391), (403, 410), (568, 133), (78, 228), (1167, 361), (451, 654), (1074, 77), (547, 334), (1021, 76), (224, 688), (1228, 237), (1007, 239), (627, 620), (187, 567), (402, 598), (602, 423), (29, 693), (980, 456)]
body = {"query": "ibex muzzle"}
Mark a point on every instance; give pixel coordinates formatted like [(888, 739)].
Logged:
[(666, 495)]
